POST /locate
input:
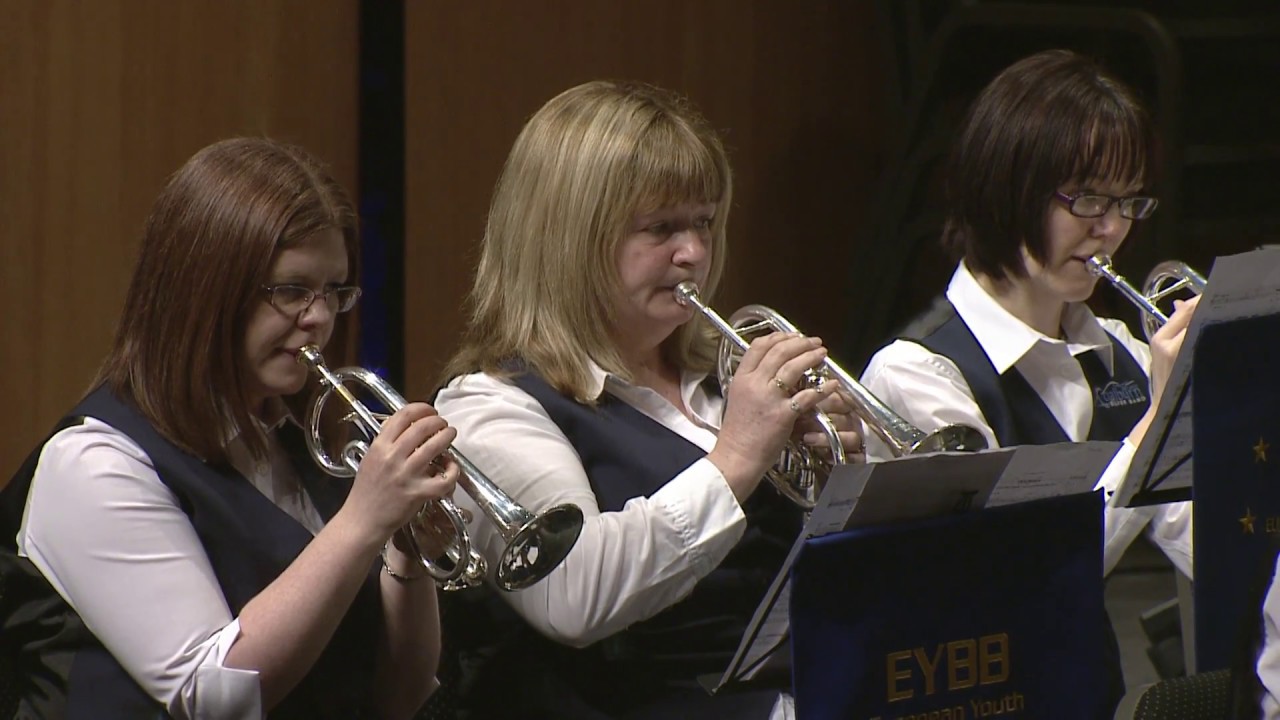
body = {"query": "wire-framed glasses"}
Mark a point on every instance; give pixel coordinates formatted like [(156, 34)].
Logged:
[(295, 299)]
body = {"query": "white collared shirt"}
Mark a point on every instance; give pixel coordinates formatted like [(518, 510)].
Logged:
[(109, 536), (627, 565), (929, 391)]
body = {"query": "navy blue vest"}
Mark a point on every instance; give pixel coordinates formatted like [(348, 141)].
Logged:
[(1018, 416), (66, 672), (648, 670), (1012, 408)]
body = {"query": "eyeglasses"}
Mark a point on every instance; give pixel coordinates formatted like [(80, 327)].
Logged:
[(1093, 205), (295, 299)]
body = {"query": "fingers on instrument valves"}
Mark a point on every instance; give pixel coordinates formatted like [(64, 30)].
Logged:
[(535, 544), (800, 473)]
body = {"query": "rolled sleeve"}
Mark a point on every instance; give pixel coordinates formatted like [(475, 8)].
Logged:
[(111, 539), (219, 691)]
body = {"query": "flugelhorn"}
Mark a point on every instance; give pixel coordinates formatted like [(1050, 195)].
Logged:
[(1164, 280), (535, 544), (801, 472)]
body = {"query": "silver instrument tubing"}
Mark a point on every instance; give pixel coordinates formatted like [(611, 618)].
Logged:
[(800, 474), (535, 544), (1164, 280)]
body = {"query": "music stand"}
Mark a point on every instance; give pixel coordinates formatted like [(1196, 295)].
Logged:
[(939, 489)]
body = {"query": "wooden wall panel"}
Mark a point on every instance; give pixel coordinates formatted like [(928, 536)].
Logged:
[(795, 88), (99, 102)]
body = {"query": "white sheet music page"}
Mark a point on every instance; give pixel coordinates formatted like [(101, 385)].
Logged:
[(1240, 286), (1044, 471)]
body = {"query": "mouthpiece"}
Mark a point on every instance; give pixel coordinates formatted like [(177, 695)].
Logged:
[(309, 355), (1100, 265), (686, 292)]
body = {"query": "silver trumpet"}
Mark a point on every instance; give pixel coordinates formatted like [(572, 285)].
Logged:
[(1165, 279), (536, 544), (801, 472)]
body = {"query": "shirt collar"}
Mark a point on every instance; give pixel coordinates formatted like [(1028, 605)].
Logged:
[(598, 379), (601, 378), (277, 414), (1006, 339)]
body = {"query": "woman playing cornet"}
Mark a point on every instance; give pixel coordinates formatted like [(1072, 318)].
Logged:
[(186, 558), (582, 379), (1048, 171)]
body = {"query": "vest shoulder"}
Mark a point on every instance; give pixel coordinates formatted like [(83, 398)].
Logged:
[(929, 320)]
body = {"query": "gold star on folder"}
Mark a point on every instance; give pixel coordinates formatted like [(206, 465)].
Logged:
[(1246, 522), (1260, 451)]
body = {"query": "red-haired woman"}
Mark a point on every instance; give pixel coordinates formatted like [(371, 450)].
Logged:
[(179, 554)]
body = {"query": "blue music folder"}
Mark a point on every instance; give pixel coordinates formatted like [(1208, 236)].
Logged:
[(997, 612), (1237, 481)]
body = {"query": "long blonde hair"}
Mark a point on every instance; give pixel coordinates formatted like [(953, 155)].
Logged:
[(580, 170)]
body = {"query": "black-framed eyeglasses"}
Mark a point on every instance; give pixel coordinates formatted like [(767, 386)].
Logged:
[(1094, 205), (295, 299)]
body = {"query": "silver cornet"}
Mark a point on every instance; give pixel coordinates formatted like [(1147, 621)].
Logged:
[(800, 473), (536, 544), (1164, 280)]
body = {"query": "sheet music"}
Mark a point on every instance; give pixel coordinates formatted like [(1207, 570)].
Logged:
[(1240, 286), (1247, 285), (1042, 471), (913, 488), (831, 513)]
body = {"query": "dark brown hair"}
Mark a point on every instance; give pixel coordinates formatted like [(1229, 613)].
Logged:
[(1047, 120), (207, 248)]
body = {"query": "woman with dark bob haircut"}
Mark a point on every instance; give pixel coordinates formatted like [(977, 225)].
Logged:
[(178, 553), (1048, 170)]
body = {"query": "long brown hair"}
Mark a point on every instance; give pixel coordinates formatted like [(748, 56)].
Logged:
[(207, 248), (581, 168)]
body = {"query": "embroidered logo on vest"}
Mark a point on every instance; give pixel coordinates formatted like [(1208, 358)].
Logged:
[(1119, 394)]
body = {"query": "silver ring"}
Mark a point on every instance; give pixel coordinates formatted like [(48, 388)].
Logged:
[(795, 406)]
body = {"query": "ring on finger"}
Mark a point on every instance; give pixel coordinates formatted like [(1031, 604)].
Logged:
[(782, 385), (795, 406)]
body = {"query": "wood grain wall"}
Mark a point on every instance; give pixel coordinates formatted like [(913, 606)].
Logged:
[(795, 87), (99, 102)]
